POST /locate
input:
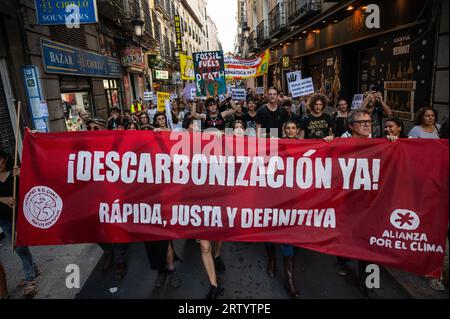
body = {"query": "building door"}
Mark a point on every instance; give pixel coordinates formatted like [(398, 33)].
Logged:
[(7, 112)]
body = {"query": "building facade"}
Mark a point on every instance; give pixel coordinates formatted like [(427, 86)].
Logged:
[(337, 44), (93, 67)]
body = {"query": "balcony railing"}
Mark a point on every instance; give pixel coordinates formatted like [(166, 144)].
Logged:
[(278, 19), (263, 36), (252, 43), (160, 5), (112, 9), (299, 9)]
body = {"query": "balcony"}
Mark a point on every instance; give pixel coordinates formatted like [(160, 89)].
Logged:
[(252, 44), (301, 9), (112, 9), (160, 5), (262, 30), (278, 19)]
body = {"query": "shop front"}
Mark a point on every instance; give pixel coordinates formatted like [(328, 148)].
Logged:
[(87, 81), (134, 79), (344, 57)]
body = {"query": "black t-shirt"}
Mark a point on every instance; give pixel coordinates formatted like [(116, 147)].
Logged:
[(316, 127), (250, 121), (217, 122), (340, 125), (272, 120), (6, 190)]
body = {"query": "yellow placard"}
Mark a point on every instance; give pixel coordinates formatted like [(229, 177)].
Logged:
[(187, 67), (162, 98)]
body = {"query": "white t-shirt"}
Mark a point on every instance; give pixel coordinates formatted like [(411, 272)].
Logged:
[(418, 132)]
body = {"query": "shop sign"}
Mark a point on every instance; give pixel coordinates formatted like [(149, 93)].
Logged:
[(58, 12), (178, 33), (132, 57), (63, 59), (161, 75), (36, 102), (285, 62)]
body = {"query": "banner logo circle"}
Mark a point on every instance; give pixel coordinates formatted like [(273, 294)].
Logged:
[(405, 219), (42, 207)]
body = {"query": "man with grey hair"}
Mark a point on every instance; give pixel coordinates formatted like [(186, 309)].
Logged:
[(359, 124)]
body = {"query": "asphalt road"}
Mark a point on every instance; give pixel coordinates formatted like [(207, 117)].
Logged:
[(245, 277)]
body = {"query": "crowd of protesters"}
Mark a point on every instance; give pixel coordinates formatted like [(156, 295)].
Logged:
[(271, 116)]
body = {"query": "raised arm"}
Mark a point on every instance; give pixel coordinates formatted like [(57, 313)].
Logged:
[(194, 113)]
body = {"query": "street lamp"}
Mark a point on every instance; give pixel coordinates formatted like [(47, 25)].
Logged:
[(138, 24), (246, 30)]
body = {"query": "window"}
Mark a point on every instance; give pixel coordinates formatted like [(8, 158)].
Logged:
[(112, 92)]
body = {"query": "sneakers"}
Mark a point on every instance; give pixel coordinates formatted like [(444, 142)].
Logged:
[(159, 282), (342, 268), (215, 292), (219, 265), (121, 271), (435, 284), (174, 280)]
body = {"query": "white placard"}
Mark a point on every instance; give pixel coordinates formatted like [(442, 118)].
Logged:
[(294, 83), (148, 96), (238, 94), (306, 87), (358, 100), (173, 96), (259, 90), (193, 93)]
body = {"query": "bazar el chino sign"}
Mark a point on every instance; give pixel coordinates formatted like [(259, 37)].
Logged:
[(57, 12), (63, 59)]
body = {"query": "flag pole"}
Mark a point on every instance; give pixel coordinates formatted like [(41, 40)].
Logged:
[(13, 235)]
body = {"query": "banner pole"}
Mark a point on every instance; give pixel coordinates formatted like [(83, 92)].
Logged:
[(13, 234)]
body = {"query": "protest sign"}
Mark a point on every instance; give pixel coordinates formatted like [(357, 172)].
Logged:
[(306, 87), (357, 101), (148, 96), (209, 73), (162, 98), (259, 90), (294, 83), (238, 94)]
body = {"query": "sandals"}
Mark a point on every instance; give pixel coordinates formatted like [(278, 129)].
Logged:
[(30, 288), (37, 273)]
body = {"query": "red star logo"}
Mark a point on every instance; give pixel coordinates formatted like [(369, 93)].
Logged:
[(404, 219)]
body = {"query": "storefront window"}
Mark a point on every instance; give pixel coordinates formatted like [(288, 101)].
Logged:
[(74, 103), (112, 93)]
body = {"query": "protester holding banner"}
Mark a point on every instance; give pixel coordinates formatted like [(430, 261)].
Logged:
[(394, 128), (144, 122), (426, 126), (340, 117), (7, 202), (133, 126), (360, 126), (271, 117), (317, 125), (160, 122)]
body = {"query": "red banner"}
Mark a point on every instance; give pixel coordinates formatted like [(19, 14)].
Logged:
[(372, 200)]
